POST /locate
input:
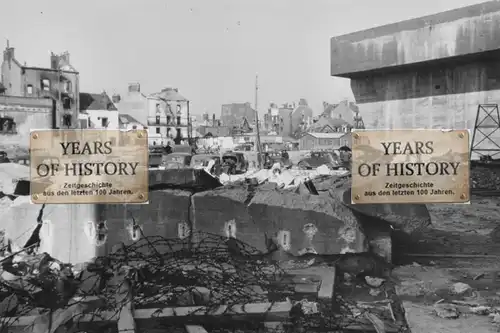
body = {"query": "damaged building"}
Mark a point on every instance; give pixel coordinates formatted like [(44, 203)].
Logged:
[(59, 82)]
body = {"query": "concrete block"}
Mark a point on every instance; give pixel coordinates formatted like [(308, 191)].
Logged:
[(213, 209), (161, 217), (336, 228), (182, 178), (408, 218)]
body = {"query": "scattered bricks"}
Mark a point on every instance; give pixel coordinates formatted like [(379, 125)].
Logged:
[(337, 229), (212, 209)]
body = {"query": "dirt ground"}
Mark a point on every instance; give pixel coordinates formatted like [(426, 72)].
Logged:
[(425, 283)]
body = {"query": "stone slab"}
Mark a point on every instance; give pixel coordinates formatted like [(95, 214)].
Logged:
[(327, 275)]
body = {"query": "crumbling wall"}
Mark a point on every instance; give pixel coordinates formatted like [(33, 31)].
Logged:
[(62, 233)]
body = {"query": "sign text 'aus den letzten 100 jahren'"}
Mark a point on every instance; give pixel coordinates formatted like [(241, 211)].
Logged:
[(410, 166), (89, 166)]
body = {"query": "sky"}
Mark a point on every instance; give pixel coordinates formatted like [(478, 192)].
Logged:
[(211, 50)]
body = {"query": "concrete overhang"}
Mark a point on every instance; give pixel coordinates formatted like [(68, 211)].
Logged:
[(460, 32)]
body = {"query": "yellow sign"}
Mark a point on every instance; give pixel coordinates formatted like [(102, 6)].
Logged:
[(89, 166), (410, 166)]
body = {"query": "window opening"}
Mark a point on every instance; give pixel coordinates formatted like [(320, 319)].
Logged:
[(46, 84)]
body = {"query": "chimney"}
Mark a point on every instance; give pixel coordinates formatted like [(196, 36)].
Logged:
[(213, 120), (65, 57), (134, 87), (54, 61), (116, 98), (8, 54)]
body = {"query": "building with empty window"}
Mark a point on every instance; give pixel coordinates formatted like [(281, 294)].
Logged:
[(168, 116), (59, 82), (99, 111)]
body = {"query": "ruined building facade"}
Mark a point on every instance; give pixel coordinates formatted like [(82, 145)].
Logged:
[(59, 82)]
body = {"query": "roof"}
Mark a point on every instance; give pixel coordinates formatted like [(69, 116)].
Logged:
[(170, 94), (344, 110), (324, 121), (127, 119), (327, 135), (96, 102)]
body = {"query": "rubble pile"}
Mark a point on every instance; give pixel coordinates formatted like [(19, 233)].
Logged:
[(485, 178), (41, 294), (33, 283)]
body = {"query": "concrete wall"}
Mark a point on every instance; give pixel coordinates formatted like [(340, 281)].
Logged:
[(209, 211), (430, 72), (62, 232), (458, 32), (431, 97)]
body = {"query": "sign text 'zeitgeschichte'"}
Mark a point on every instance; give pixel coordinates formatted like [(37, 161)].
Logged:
[(89, 166), (410, 166)]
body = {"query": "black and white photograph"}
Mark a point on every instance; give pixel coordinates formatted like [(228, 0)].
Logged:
[(271, 166)]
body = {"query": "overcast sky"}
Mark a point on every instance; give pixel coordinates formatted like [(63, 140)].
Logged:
[(209, 49)]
